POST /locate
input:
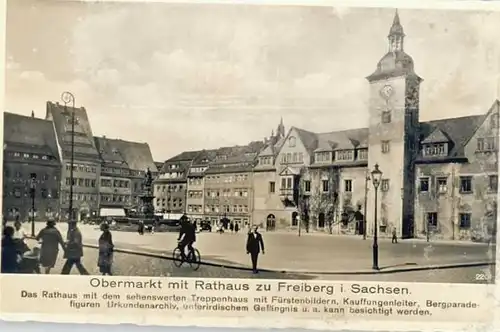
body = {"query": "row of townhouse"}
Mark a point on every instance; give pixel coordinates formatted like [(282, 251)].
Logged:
[(107, 173), (438, 176), (209, 184)]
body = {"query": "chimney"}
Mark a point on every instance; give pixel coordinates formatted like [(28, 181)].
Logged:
[(32, 114)]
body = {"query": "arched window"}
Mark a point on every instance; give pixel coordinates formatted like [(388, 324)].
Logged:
[(291, 142)]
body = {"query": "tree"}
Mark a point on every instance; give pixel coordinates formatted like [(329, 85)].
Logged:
[(303, 202), (325, 202)]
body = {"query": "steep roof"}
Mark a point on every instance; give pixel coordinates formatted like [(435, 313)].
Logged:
[(83, 137), (459, 130), (437, 136), (342, 140), (308, 138), (31, 134), (204, 157), (108, 151), (269, 150), (159, 164), (137, 155), (183, 156)]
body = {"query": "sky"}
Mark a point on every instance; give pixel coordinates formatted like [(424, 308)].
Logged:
[(192, 76)]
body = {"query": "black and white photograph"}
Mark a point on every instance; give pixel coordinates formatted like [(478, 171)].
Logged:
[(250, 141)]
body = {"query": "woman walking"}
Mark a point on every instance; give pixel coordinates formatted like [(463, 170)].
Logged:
[(105, 251), (51, 238)]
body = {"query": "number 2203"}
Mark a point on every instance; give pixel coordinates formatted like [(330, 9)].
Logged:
[(481, 276)]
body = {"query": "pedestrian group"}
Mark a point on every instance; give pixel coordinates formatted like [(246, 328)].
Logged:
[(18, 257)]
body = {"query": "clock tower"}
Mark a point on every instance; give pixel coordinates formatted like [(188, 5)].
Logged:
[(393, 136)]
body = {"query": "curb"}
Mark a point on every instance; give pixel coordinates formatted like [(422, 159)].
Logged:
[(389, 270), (354, 272)]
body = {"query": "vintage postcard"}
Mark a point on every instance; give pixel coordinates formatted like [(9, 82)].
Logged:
[(263, 165)]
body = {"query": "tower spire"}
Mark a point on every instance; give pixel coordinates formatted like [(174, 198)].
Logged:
[(280, 132), (396, 34)]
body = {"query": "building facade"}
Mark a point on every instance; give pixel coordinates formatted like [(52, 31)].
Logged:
[(228, 190), (115, 185), (86, 165), (170, 186), (195, 198), (439, 178), (107, 173), (457, 179), (30, 147), (138, 159)]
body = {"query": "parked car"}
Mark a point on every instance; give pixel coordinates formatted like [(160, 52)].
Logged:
[(205, 225)]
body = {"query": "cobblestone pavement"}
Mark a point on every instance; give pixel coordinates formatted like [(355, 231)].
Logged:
[(136, 265), (309, 252)]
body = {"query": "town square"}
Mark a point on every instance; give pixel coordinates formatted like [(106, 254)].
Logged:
[(140, 171)]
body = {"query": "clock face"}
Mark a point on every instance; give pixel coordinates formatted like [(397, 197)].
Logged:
[(386, 92)]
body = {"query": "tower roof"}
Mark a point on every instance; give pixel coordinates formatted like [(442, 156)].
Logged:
[(395, 62), (396, 28)]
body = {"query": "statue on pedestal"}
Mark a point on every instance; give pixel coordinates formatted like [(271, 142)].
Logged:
[(148, 180)]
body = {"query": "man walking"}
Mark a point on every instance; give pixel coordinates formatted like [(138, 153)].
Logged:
[(359, 217), (74, 250), (254, 245)]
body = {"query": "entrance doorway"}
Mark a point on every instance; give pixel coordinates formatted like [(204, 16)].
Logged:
[(271, 222), (84, 214), (321, 220)]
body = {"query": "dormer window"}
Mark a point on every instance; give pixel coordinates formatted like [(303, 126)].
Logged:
[(386, 116), (115, 151), (344, 155), (265, 160), (322, 157), (292, 142), (439, 149), (363, 154)]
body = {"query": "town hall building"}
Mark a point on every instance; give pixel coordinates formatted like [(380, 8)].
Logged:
[(438, 177)]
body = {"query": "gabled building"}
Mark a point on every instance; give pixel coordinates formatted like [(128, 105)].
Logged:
[(457, 179), (30, 147), (115, 187), (438, 176), (139, 159), (87, 162)]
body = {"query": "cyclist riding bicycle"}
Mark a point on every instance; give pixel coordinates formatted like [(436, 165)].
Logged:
[(187, 236)]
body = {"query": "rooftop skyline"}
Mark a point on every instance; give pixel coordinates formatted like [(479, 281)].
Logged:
[(191, 77)]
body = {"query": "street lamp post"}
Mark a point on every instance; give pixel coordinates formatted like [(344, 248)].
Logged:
[(376, 177), (67, 98), (32, 194), (367, 178)]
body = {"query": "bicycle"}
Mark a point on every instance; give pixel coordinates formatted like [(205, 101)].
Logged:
[(193, 258)]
